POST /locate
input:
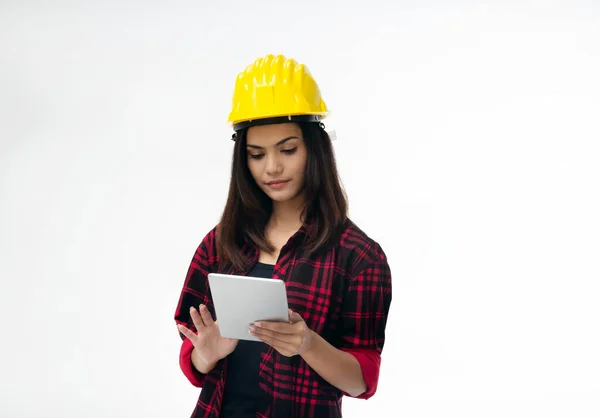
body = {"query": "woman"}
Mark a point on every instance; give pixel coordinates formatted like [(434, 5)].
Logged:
[(286, 218)]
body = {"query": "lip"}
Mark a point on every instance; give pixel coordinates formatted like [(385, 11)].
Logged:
[(277, 184)]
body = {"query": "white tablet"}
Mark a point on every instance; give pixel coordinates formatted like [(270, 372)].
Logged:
[(241, 300)]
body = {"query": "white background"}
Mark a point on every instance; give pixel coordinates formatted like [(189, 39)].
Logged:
[(467, 141)]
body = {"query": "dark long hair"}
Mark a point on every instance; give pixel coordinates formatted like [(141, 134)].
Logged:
[(248, 208)]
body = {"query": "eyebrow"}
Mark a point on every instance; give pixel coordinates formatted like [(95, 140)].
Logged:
[(283, 141)]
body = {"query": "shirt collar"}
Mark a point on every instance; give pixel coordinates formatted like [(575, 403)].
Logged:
[(305, 231)]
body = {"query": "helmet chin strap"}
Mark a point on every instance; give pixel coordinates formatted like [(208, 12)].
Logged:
[(332, 134)]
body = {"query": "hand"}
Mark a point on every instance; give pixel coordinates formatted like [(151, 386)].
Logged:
[(289, 339), (209, 344)]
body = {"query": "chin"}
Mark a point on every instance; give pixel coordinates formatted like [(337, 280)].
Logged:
[(282, 196)]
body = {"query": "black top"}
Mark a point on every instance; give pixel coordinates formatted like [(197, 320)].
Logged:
[(242, 394)]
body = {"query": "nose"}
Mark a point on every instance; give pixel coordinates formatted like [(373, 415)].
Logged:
[(273, 166)]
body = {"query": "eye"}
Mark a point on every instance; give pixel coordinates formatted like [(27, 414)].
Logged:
[(289, 151), (256, 156)]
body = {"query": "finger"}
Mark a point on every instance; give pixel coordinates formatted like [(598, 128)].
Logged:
[(185, 331), (293, 339), (196, 318), (280, 327), (206, 316), (219, 329), (285, 348)]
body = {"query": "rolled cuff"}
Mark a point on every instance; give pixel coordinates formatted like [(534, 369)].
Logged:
[(185, 362), (369, 361)]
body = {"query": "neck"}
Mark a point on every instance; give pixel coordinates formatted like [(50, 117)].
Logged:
[(287, 215)]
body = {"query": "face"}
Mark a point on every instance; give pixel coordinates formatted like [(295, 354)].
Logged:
[(276, 158)]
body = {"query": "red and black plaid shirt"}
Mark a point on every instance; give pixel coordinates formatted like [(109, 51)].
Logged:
[(343, 294)]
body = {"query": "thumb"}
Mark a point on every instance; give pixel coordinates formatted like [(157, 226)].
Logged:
[(294, 316)]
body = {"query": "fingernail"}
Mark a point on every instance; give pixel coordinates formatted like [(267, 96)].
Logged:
[(258, 324)]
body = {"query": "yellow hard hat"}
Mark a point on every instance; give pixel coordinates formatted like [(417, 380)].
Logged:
[(275, 88)]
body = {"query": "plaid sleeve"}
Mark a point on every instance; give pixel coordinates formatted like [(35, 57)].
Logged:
[(364, 317), (194, 292)]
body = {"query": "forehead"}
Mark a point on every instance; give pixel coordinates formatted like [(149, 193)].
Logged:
[(269, 135)]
